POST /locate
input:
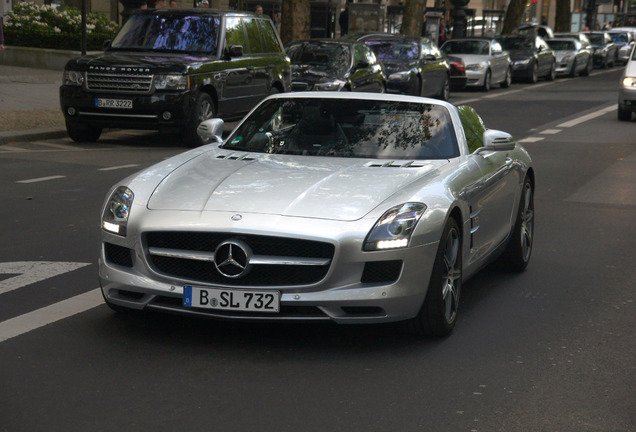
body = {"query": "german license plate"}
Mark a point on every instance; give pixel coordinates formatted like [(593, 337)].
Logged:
[(235, 300), (113, 103)]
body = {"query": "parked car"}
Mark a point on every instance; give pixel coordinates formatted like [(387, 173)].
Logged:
[(604, 49), (349, 207), (624, 41), (531, 57), (414, 65), (486, 61), (532, 29), (572, 57), (170, 69), (333, 65), (627, 90), (458, 77), (580, 36)]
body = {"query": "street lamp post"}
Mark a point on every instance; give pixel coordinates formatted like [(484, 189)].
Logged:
[(459, 18)]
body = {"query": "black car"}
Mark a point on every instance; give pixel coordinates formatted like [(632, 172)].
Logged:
[(531, 57), (413, 65), (334, 65), (604, 49), (170, 69)]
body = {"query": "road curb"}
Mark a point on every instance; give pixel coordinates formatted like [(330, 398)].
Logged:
[(31, 135)]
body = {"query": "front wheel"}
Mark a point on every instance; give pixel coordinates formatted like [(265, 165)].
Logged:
[(83, 133), (438, 314), (445, 91), (507, 80), (203, 110), (552, 74), (487, 83), (517, 254), (624, 115), (534, 74), (588, 69)]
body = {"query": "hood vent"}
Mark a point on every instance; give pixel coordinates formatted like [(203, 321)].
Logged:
[(396, 164), (234, 156)]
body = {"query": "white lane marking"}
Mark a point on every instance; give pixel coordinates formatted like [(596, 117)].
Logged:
[(50, 314), (587, 117), (118, 167), (11, 148), (551, 131), (41, 179), (531, 139), (495, 95), (29, 272)]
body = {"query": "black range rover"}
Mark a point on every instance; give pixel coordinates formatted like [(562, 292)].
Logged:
[(168, 70)]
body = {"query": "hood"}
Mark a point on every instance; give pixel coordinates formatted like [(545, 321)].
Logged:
[(520, 54), (300, 186), (314, 73), (396, 65), (562, 53), (469, 59), (154, 62)]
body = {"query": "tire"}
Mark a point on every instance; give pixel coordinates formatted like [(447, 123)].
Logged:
[(552, 74), (517, 254), (487, 82), (83, 133), (416, 89), (507, 80), (445, 91), (438, 314), (203, 110), (588, 69), (572, 72), (534, 74), (624, 115)]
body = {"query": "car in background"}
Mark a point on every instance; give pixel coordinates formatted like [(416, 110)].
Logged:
[(627, 89), (170, 69), (531, 57), (458, 77), (624, 41), (322, 206), (580, 36), (604, 49), (532, 29), (486, 61), (334, 65), (572, 57), (413, 65)]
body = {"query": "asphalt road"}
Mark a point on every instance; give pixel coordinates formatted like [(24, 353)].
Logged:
[(551, 349)]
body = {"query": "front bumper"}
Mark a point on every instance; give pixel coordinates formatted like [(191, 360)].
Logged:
[(521, 70), (627, 99), (475, 77), (343, 295), (564, 67), (165, 110)]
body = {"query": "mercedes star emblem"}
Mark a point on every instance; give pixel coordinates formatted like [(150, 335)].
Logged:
[(232, 258)]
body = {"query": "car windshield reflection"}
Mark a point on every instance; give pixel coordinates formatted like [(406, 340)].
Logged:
[(466, 47), (322, 54), (347, 128), (385, 50)]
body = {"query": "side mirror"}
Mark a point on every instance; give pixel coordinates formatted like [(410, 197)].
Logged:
[(211, 131), (235, 51), (495, 140)]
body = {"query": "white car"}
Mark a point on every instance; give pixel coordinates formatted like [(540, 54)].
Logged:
[(350, 207), (627, 89)]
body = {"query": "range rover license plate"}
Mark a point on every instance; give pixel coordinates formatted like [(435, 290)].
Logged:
[(231, 299), (113, 103)]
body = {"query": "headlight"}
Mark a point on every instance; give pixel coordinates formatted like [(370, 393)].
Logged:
[(73, 78), (475, 67), (522, 62), (629, 82), (171, 82), (329, 86), (393, 230), (565, 58), (400, 76), (117, 211)]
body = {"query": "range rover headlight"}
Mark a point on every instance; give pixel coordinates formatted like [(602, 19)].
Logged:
[(172, 82), (329, 86), (393, 230), (629, 82), (73, 78), (117, 211)]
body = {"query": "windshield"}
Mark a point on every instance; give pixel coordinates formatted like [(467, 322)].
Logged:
[(347, 128), (325, 55), (168, 33), (559, 45), (387, 50), (597, 39), (466, 47), (513, 43), (619, 37)]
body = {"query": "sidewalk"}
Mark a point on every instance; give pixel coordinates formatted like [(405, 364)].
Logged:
[(29, 104)]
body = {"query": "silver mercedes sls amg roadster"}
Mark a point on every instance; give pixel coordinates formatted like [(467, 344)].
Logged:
[(355, 208)]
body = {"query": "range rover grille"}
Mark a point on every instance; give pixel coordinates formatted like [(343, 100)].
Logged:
[(278, 261), (120, 82)]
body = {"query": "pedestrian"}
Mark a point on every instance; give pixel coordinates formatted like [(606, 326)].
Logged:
[(343, 20), (1, 35), (276, 19), (203, 4), (258, 10)]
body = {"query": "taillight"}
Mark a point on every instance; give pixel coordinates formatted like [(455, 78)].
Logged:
[(460, 66)]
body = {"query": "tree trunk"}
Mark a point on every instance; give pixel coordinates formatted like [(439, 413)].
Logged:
[(563, 16), (295, 20), (514, 15), (413, 20)]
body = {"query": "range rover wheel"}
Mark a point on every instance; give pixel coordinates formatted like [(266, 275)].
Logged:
[(203, 110), (80, 133), (438, 314)]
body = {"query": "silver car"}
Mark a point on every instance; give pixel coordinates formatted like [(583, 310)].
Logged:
[(627, 90), (572, 57), (355, 208), (624, 40), (486, 62)]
